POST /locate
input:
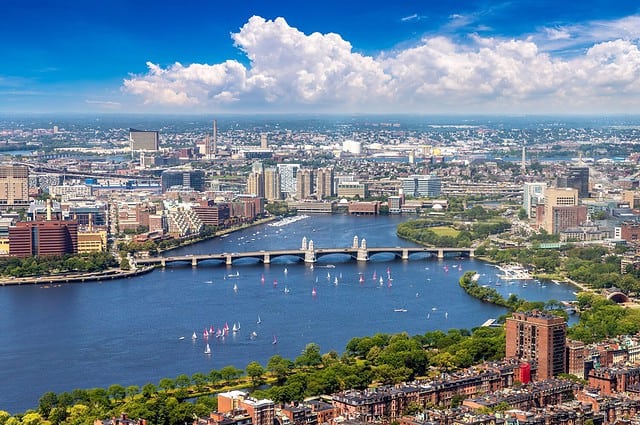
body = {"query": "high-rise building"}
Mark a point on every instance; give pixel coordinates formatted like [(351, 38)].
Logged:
[(422, 185), (324, 183), (540, 338), (183, 179), (14, 187), (557, 197), (304, 183), (263, 141), (533, 195), (141, 140), (272, 184), (577, 178), (214, 149), (255, 184), (288, 179)]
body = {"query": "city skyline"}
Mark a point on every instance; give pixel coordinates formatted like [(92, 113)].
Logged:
[(433, 57)]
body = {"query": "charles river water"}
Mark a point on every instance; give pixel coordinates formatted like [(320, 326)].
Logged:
[(139, 330)]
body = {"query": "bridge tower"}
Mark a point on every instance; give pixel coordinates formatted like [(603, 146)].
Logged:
[(355, 242), (304, 243), (310, 253), (363, 254)]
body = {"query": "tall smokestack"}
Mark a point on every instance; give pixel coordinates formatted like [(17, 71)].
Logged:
[(48, 209), (215, 138)]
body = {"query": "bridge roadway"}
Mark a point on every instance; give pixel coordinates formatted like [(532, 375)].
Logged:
[(304, 255)]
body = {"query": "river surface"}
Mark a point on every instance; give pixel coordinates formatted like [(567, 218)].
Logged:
[(139, 330)]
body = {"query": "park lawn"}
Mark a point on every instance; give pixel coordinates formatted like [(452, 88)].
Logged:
[(445, 231)]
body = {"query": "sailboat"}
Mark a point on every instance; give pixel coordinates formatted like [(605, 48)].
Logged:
[(262, 278), (286, 290), (375, 275), (236, 327), (381, 281), (275, 282), (328, 276), (361, 279), (194, 336), (207, 349), (286, 271), (313, 292), (259, 320), (275, 340), (335, 281), (235, 287)]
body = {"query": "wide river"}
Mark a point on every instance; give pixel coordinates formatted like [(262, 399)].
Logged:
[(137, 331)]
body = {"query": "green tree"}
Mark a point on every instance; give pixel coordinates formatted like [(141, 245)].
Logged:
[(167, 384), (183, 381), (117, 392), (149, 390), (310, 355), (230, 373), (255, 371), (280, 367), (48, 401), (199, 380)]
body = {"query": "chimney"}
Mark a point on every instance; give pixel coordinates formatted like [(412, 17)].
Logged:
[(48, 209)]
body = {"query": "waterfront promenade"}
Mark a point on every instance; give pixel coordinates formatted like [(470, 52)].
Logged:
[(110, 274)]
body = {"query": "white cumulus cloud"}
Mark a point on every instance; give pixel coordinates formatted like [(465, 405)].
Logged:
[(289, 70)]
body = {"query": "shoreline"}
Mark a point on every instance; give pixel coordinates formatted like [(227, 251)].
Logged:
[(111, 274), (115, 273)]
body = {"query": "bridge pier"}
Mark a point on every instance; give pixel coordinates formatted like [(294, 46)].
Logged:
[(163, 263), (363, 255), (229, 261), (405, 254), (194, 262), (266, 259), (472, 253), (310, 257), (440, 254)]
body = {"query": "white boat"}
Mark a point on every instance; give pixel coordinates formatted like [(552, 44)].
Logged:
[(235, 288), (286, 290), (236, 274), (381, 281), (194, 336), (254, 334), (335, 281), (288, 220), (181, 338), (400, 310), (514, 272), (286, 271), (259, 320), (275, 340), (236, 327), (207, 349)]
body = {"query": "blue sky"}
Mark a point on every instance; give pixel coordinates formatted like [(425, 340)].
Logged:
[(195, 56)]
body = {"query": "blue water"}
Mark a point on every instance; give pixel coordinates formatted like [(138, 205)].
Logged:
[(128, 331)]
